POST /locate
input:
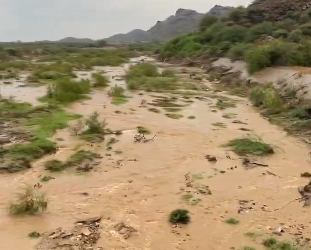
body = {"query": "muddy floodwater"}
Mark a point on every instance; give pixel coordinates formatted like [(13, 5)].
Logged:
[(144, 183)]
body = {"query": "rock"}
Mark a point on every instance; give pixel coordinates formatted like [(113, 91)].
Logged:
[(85, 231), (211, 158), (90, 220)]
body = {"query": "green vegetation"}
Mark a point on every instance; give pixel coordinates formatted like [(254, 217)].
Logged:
[(118, 96), (274, 244), (66, 91), (52, 71), (260, 43), (74, 160), (47, 178), (100, 81), (34, 235), (41, 122), (219, 124), (229, 115), (143, 130), (253, 235), (232, 221), (28, 201), (224, 104), (154, 110), (146, 76), (174, 116), (248, 248), (191, 117), (179, 216), (251, 146)]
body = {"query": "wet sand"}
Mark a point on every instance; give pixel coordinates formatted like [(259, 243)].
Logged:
[(142, 193)]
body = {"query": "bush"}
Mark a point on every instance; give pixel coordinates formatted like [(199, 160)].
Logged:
[(54, 165), (143, 69), (239, 50), (257, 58), (29, 201), (168, 73), (66, 91), (280, 33), (100, 80), (295, 36), (179, 216), (252, 146), (207, 21)]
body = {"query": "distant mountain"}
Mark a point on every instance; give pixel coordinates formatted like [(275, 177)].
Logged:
[(136, 35), (184, 21), (76, 40)]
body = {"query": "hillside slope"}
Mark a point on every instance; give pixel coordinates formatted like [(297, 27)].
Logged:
[(184, 21)]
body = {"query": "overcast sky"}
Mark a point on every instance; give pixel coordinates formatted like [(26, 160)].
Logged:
[(33, 20)]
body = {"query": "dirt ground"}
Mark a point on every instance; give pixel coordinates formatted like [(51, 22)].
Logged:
[(142, 185)]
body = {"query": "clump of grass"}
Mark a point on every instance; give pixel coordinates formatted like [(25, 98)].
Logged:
[(274, 244), (248, 248), (174, 116), (143, 130), (47, 178), (154, 110), (118, 96), (29, 201), (33, 150), (232, 221), (168, 73), (224, 104), (239, 91), (219, 124), (54, 165), (94, 125), (179, 216), (270, 242), (229, 115), (187, 197), (252, 235), (34, 235), (100, 80), (191, 117), (53, 71), (81, 156), (172, 109), (198, 176), (250, 145), (66, 91), (266, 97)]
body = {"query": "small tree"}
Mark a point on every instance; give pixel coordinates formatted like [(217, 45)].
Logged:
[(207, 21)]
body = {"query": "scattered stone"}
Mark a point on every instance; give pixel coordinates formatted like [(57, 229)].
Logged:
[(239, 122), (244, 129), (124, 230)]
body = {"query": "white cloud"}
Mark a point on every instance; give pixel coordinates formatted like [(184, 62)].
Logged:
[(30, 20)]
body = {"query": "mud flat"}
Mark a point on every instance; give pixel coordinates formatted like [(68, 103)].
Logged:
[(234, 199)]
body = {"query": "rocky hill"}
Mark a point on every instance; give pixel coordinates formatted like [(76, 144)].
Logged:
[(184, 21), (272, 10)]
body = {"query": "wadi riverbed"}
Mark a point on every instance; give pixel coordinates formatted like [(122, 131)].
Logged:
[(139, 184)]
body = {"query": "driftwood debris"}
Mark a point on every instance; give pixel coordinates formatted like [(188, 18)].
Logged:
[(141, 138)]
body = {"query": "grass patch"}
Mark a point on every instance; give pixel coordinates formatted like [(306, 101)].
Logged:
[(100, 81), (250, 146), (224, 104), (81, 156), (174, 116), (154, 110), (66, 91), (54, 165), (33, 150), (198, 176), (28, 201), (143, 130), (232, 221), (247, 248), (172, 109), (191, 117), (229, 115), (52, 71), (118, 96), (179, 216), (34, 235), (168, 73), (253, 235), (241, 91), (219, 124), (274, 244), (47, 178), (44, 124)]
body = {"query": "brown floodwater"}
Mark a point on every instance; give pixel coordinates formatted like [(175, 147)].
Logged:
[(142, 193)]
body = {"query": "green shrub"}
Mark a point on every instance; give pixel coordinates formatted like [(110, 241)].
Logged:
[(257, 58), (29, 201), (66, 91), (54, 165), (207, 21), (143, 69), (295, 36), (100, 80), (250, 145), (179, 216), (168, 73)]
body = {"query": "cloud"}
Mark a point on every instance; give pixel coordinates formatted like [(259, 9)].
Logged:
[(32, 20)]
